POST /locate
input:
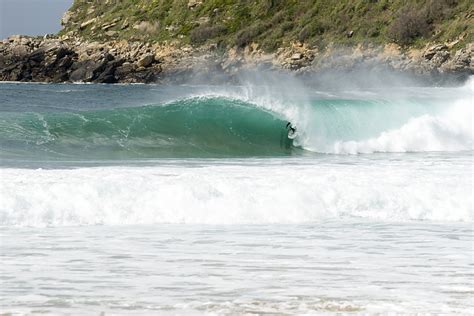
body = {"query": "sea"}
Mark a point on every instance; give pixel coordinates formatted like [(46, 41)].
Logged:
[(194, 200)]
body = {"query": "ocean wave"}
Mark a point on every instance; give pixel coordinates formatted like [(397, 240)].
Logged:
[(239, 193), (193, 127), (247, 121)]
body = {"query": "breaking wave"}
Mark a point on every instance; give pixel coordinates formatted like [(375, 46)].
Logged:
[(243, 124), (254, 192), (195, 127)]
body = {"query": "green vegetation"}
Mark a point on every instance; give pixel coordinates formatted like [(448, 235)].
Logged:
[(273, 23)]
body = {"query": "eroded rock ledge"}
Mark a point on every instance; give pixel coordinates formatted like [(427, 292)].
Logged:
[(31, 59)]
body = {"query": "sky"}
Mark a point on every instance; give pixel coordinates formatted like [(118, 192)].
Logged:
[(31, 17)]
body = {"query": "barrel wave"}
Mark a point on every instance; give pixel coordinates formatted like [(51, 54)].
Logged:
[(195, 127), (234, 122)]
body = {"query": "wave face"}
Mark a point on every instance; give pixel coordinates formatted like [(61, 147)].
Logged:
[(195, 127)]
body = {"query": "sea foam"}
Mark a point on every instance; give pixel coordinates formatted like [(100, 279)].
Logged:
[(253, 192)]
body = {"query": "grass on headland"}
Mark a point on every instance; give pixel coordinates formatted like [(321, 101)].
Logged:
[(275, 23)]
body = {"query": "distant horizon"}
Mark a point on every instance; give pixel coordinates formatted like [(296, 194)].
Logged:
[(31, 17)]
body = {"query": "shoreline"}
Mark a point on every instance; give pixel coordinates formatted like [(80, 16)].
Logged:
[(62, 60)]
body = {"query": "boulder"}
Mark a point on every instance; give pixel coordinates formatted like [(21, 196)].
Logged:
[(20, 50), (432, 50), (146, 61), (105, 27), (65, 63), (37, 55), (462, 61), (66, 18), (87, 70), (439, 58), (111, 33), (14, 38), (108, 75), (194, 3), (62, 52), (147, 27), (296, 56), (87, 23)]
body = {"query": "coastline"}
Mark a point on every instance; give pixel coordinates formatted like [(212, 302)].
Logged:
[(62, 59)]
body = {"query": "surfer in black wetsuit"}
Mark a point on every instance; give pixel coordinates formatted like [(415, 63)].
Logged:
[(291, 130), (286, 140)]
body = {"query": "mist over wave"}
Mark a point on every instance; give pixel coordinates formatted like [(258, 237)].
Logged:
[(410, 120)]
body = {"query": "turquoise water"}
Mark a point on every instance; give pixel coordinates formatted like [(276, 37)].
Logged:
[(196, 127), (74, 122), (142, 199)]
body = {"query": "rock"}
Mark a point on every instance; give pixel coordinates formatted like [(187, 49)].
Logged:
[(203, 20), (91, 10), (63, 51), (20, 50), (431, 51), (462, 60), (37, 55), (65, 63), (14, 38), (111, 33), (66, 18), (146, 61), (125, 25), (50, 47), (124, 70), (296, 56), (439, 58), (87, 23), (194, 3), (87, 70), (108, 75), (147, 27), (105, 27)]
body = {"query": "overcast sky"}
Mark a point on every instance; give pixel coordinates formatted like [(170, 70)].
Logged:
[(31, 17)]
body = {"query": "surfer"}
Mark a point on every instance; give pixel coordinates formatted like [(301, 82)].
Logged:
[(286, 139), (291, 130)]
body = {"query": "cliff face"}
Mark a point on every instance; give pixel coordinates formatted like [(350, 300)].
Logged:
[(273, 23), (162, 40)]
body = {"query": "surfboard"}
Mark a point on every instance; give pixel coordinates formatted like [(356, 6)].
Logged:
[(292, 134)]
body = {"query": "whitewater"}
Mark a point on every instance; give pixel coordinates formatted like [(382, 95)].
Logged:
[(192, 199)]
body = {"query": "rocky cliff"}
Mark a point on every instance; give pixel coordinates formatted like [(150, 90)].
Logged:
[(160, 41)]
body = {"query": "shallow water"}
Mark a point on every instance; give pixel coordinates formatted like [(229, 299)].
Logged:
[(330, 266), (369, 210)]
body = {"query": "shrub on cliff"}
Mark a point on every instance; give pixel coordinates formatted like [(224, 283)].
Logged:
[(201, 34), (247, 35), (410, 24), (313, 29)]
